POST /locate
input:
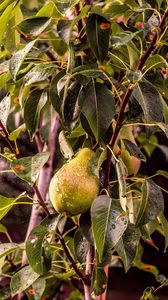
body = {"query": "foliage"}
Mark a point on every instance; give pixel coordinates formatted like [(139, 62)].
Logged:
[(78, 73)]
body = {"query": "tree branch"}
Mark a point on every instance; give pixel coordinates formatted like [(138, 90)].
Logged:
[(125, 100)]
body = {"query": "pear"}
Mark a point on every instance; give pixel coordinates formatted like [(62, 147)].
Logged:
[(74, 187), (132, 163)]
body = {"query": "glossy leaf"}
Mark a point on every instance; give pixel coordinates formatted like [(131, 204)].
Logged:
[(34, 26), (108, 223), (18, 58), (22, 279), (127, 245), (39, 73), (5, 109), (7, 248), (33, 106), (81, 246), (97, 104), (150, 101), (98, 33), (164, 225), (28, 168), (38, 250), (155, 61), (151, 204)]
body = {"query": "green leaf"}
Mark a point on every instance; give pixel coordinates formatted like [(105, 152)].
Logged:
[(51, 222), (56, 100), (39, 287), (22, 280), (134, 150), (163, 127), (164, 225), (97, 104), (5, 109), (18, 58), (87, 70), (28, 168), (148, 294), (32, 110), (98, 33), (150, 101), (4, 19), (15, 133), (162, 173), (123, 38), (99, 280), (5, 293), (81, 246), (70, 101), (3, 229), (152, 203), (7, 248), (108, 224), (34, 26), (49, 10), (39, 73), (38, 250), (3, 79), (5, 205), (127, 245), (155, 61)]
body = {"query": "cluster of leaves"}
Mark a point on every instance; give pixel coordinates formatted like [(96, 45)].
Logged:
[(80, 61)]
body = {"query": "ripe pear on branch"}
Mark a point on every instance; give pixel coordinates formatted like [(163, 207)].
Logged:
[(131, 162), (75, 185)]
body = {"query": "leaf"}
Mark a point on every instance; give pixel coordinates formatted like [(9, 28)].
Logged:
[(5, 205), (22, 280), (39, 287), (134, 150), (49, 10), (5, 293), (81, 246), (15, 133), (127, 245), (150, 101), (108, 224), (65, 146), (3, 229), (99, 280), (34, 26), (155, 61), (98, 33), (5, 109), (4, 19), (87, 70), (151, 204), (163, 127), (28, 168), (39, 73), (70, 101), (85, 226), (123, 38), (38, 250), (55, 99), (18, 58), (33, 106), (162, 173), (164, 224), (7, 248), (97, 104)]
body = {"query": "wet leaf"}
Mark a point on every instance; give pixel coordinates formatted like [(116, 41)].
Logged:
[(99, 280), (134, 150), (7, 248), (5, 109), (152, 203), (28, 168), (5, 205), (38, 250), (108, 224), (18, 58), (22, 280), (81, 246), (39, 73), (127, 245)]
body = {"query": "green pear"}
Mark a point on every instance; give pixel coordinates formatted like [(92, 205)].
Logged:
[(74, 187)]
